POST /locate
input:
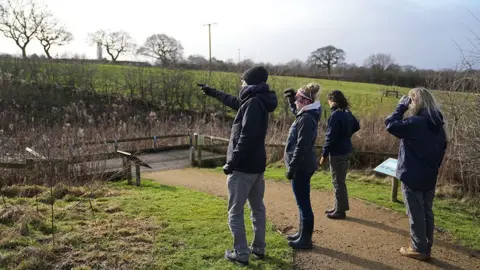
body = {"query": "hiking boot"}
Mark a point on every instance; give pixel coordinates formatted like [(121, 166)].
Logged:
[(257, 255), (233, 256), (412, 253), (337, 215), (329, 211)]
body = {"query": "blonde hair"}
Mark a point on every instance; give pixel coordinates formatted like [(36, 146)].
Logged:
[(312, 90), (422, 99)]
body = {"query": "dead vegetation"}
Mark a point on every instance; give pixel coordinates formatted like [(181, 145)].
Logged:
[(97, 235)]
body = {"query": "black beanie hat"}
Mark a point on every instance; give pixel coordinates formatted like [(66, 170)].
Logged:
[(255, 75)]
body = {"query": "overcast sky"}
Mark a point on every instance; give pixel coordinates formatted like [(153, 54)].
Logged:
[(417, 32)]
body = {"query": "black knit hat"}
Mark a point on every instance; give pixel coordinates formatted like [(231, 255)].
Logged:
[(255, 75)]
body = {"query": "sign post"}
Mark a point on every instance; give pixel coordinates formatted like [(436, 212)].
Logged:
[(389, 167), (132, 160)]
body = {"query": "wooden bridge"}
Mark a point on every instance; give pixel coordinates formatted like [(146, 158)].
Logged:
[(164, 152)]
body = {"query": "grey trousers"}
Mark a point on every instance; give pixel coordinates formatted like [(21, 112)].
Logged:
[(419, 210), (243, 187), (338, 169)]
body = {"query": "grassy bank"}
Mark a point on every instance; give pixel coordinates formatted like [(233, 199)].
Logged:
[(460, 219), (151, 227)]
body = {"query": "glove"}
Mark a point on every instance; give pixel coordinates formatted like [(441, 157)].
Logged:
[(227, 169), (289, 94), (405, 101), (207, 90), (290, 175)]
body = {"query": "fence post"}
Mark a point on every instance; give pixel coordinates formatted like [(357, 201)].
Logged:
[(116, 145), (129, 172), (199, 146), (192, 151), (137, 174), (394, 189), (154, 142)]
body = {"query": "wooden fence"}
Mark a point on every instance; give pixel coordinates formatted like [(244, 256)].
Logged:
[(198, 144)]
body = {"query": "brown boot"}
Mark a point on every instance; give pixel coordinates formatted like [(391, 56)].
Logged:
[(412, 253)]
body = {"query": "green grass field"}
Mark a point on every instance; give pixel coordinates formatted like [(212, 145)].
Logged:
[(459, 219), (151, 227), (365, 98)]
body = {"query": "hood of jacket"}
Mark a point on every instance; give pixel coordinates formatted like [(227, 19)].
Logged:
[(261, 91), (315, 107)]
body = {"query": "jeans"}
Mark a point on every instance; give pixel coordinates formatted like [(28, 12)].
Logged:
[(419, 210), (243, 187), (301, 190)]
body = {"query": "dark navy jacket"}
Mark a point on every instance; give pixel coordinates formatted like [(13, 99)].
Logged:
[(422, 147), (246, 148), (338, 138), (300, 147)]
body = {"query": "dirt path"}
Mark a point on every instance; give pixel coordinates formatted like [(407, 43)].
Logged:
[(368, 239)]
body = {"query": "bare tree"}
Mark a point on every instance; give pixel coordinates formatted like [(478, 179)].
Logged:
[(379, 61), (164, 48), (197, 60), (20, 20), (326, 57), (50, 34), (295, 66), (115, 43)]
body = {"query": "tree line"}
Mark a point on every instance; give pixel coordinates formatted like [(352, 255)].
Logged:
[(24, 22)]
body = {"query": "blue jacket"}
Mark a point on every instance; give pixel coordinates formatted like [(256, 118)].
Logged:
[(246, 148), (300, 154), (422, 147), (341, 126)]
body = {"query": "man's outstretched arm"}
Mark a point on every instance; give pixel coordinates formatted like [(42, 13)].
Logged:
[(227, 99)]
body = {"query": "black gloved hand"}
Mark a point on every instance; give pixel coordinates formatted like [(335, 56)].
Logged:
[(207, 90), (405, 101), (289, 93), (290, 175), (227, 169)]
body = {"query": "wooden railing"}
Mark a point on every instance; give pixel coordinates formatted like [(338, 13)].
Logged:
[(32, 163), (197, 144)]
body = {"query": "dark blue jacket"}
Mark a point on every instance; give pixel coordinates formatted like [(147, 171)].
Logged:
[(338, 138), (246, 148), (300, 154), (422, 147)]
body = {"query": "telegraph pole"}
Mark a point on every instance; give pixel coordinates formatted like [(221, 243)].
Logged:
[(209, 49)]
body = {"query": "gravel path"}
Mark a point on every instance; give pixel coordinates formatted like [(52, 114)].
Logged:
[(368, 239)]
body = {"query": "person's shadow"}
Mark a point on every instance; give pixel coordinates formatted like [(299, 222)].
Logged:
[(433, 261), (369, 264), (349, 258)]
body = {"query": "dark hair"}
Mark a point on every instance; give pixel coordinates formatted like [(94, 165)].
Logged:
[(337, 97)]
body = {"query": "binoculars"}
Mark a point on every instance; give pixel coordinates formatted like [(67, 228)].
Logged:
[(289, 93)]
